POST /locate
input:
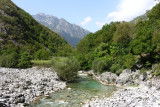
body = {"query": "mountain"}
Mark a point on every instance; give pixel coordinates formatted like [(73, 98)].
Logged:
[(142, 17), (20, 31), (70, 32)]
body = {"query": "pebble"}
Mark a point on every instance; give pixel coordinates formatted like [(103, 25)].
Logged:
[(19, 87)]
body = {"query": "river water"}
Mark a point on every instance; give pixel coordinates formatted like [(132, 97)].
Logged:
[(81, 90)]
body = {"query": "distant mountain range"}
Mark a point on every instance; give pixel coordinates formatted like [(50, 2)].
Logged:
[(70, 32)]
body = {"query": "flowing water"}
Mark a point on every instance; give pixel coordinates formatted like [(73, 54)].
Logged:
[(83, 89)]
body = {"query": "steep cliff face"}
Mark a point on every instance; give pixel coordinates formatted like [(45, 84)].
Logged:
[(70, 32)]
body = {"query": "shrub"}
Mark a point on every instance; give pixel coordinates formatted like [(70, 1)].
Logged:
[(157, 69), (66, 68), (129, 61), (100, 65), (42, 54), (123, 62), (116, 68), (9, 61), (82, 61), (25, 60)]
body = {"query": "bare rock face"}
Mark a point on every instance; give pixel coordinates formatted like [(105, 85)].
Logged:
[(20, 87), (70, 32)]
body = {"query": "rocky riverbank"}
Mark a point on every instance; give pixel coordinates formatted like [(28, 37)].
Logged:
[(19, 87), (145, 93), (128, 97)]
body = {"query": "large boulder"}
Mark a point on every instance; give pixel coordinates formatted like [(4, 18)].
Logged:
[(108, 78), (125, 78)]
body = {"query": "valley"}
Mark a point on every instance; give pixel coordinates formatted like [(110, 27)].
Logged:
[(49, 62)]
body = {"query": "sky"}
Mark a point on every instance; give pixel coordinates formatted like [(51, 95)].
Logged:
[(89, 14)]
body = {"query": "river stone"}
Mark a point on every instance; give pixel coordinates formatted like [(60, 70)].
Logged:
[(24, 85), (19, 100), (125, 78), (3, 105), (108, 78), (142, 77), (3, 100)]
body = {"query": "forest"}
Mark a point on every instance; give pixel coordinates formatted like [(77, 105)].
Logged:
[(123, 45), (22, 38), (117, 46)]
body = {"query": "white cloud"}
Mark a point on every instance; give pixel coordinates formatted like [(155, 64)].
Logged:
[(86, 20), (129, 9), (100, 24)]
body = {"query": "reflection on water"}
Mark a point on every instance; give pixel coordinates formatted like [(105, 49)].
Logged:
[(81, 90)]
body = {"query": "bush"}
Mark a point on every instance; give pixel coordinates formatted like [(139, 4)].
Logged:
[(9, 61), (66, 68), (25, 60), (42, 54), (101, 65), (129, 61), (116, 68), (157, 69), (82, 61), (123, 62)]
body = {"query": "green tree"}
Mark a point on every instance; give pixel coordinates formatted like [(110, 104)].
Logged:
[(124, 33), (25, 60), (142, 43), (42, 54), (9, 61)]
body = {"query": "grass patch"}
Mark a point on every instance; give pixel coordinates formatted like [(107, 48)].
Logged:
[(133, 85), (41, 63), (47, 63)]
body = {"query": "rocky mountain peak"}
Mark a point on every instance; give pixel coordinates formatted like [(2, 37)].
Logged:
[(71, 32)]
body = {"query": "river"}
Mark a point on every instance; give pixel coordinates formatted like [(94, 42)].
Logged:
[(84, 88)]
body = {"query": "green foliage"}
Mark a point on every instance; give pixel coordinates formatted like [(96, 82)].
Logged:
[(154, 14), (123, 44), (102, 50), (129, 61), (41, 63), (16, 60), (24, 32), (101, 65), (66, 68), (155, 40), (142, 42), (65, 51), (9, 61), (82, 61), (25, 60), (157, 69), (123, 62), (124, 33), (42, 54)]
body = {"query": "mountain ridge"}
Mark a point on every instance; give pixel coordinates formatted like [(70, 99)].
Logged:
[(70, 32), (20, 31)]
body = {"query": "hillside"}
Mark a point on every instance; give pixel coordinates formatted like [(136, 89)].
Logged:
[(70, 32), (20, 32), (142, 17), (123, 45)]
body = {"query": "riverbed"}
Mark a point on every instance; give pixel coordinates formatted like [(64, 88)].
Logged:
[(76, 94)]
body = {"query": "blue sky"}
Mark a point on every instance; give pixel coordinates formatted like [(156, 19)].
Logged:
[(89, 14)]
